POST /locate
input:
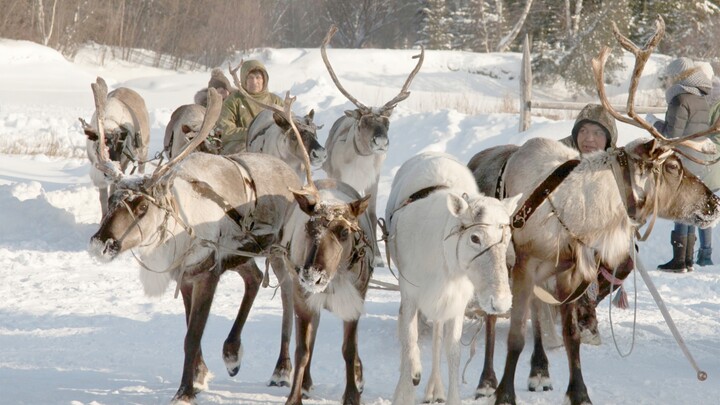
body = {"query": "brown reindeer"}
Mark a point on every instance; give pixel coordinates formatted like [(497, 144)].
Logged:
[(326, 236), (190, 221), (566, 226), (358, 141)]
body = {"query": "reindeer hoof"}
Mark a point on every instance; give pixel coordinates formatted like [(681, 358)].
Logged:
[(416, 379), (184, 396), (232, 356), (539, 383), (484, 392)]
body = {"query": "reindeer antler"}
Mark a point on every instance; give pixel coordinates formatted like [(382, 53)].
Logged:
[(390, 104), (403, 92), (323, 52), (105, 165), (211, 116), (641, 57), (286, 112)]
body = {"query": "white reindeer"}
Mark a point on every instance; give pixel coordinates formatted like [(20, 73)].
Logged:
[(190, 221), (126, 137), (358, 141), (269, 132), (449, 243)]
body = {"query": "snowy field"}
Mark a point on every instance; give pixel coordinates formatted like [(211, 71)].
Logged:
[(74, 331)]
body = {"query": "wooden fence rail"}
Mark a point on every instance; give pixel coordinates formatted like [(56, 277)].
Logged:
[(527, 103)]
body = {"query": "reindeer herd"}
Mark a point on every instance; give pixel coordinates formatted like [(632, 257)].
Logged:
[(202, 214)]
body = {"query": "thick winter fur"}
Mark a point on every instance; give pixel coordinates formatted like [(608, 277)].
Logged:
[(184, 124), (356, 147), (270, 133), (186, 235), (332, 256), (597, 228), (448, 246), (125, 114)]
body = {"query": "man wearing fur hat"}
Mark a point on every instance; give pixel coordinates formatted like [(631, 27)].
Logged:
[(219, 82), (237, 112), (687, 87)]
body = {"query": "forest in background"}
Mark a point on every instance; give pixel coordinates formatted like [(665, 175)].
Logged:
[(564, 34)]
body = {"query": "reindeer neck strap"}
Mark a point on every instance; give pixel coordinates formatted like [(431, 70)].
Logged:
[(623, 180), (624, 184), (541, 192)]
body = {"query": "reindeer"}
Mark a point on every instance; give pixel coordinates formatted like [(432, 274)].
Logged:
[(449, 243), (190, 221), (565, 226), (269, 132), (358, 141), (126, 139), (184, 125)]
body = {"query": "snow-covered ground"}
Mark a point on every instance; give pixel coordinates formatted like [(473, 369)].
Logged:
[(74, 331)]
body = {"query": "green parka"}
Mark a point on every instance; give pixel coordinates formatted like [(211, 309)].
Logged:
[(237, 112)]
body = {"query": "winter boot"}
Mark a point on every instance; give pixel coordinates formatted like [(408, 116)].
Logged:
[(690, 252), (677, 264), (705, 257)]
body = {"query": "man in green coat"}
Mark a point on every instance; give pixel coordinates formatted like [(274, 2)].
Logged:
[(238, 112)]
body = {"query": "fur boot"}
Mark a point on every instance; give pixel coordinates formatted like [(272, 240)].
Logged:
[(690, 252)]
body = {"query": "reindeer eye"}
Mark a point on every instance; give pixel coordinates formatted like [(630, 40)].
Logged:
[(475, 239), (672, 166), (344, 233), (143, 207)]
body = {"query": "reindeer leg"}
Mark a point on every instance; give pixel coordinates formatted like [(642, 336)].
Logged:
[(488, 381), (232, 348), (283, 367), (203, 291), (522, 287), (307, 377), (577, 391), (351, 396), (410, 367), (435, 391), (453, 331), (305, 322), (201, 370), (539, 379)]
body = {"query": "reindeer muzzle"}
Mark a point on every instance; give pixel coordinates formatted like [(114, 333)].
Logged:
[(313, 280)]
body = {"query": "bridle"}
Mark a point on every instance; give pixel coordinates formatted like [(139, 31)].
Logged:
[(460, 229)]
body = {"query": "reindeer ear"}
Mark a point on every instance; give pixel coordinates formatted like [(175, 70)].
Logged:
[(281, 121), (511, 203), (353, 114), (311, 114), (306, 201), (387, 112), (357, 207), (456, 204), (91, 134)]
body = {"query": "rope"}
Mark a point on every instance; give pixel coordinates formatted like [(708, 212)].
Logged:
[(634, 328)]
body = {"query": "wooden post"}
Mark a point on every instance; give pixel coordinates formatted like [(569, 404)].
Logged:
[(525, 87)]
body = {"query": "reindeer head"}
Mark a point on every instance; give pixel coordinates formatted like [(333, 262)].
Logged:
[(478, 242), (661, 184), (308, 135), (334, 240), (133, 219), (372, 123)]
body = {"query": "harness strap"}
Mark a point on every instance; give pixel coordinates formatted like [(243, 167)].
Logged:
[(541, 192), (500, 185), (206, 191)]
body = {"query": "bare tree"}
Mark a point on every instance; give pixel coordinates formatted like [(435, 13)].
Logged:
[(45, 30)]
